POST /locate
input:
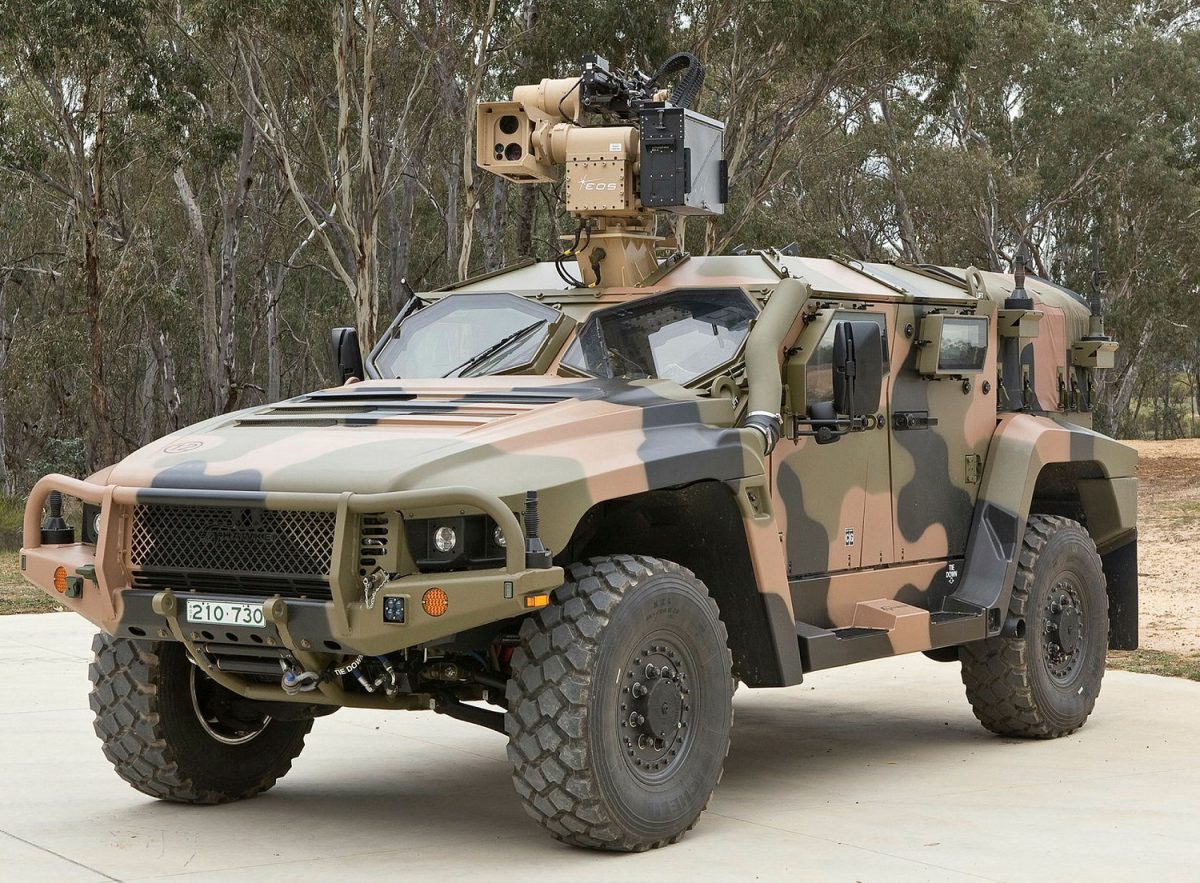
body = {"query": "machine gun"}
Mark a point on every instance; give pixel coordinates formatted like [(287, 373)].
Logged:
[(642, 150)]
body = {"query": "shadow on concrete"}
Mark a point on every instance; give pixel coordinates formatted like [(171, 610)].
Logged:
[(811, 745)]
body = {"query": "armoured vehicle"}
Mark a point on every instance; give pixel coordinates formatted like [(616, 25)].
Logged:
[(578, 501)]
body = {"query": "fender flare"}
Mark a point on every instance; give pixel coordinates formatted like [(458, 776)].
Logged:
[(1021, 447)]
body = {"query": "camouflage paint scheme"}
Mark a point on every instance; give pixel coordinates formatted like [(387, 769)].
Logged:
[(936, 512)]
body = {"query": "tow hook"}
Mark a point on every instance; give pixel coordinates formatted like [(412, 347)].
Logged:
[(296, 681)]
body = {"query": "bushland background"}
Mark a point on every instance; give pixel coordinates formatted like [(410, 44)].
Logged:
[(192, 193)]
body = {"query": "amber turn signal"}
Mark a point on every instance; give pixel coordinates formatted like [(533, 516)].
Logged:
[(435, 602), (537, 600), (60, 580)]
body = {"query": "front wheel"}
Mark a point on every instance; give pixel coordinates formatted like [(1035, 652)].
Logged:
[(1042, 680), (172, 732), (620, 705)]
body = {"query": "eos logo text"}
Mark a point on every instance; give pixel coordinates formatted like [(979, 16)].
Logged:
[(598, 185)]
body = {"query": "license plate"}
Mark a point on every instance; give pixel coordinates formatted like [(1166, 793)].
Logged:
[(226, 613)]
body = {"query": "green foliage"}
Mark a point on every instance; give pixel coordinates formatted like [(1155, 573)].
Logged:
[(68, 456), (1044, 122)]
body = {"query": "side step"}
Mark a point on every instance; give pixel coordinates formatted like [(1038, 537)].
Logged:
[(885, 628)]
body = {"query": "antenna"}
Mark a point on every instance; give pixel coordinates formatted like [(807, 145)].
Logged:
[(1097, 276), (1096, 323), (1019, 299)]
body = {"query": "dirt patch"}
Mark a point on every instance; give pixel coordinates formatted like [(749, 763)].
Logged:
[(1169, 544)]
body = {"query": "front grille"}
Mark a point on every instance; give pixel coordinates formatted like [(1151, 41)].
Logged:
[(233, 549)]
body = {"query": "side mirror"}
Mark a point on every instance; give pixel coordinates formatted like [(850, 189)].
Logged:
[(347, 357), (857, 368)]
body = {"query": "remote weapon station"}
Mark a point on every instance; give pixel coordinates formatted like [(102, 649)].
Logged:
[(577, 501)]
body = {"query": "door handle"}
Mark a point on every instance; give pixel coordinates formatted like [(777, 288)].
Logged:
[(913, 420)]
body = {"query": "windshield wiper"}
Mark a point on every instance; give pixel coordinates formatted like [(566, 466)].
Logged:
[(502, 343)]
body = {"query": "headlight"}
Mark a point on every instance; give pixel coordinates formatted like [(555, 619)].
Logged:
[(455, 543), (445, 538), (91, 524)]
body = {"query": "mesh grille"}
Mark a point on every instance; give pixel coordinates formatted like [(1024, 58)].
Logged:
[(233, 539)]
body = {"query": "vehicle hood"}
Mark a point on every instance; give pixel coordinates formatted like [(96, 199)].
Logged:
[(503, 435)]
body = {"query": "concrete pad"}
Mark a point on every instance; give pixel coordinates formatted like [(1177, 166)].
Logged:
[(874, 772)]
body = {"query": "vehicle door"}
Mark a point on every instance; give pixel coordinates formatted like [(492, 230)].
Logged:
[(833, 500), (943, 415)]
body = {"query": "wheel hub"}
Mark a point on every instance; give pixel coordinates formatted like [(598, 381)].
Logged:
[(1065, 628), (655, 708), (1062, 625)]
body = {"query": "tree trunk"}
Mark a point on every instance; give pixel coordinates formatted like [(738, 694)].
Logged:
[(908, 234), (274, 351), (209, 329), (525, 221), (147, 407), (102, 451), (452, 180), (168, 388), (470, 194), (233, 213)]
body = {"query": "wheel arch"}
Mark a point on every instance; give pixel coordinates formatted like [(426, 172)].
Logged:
[(701, 526), (1042, 465)]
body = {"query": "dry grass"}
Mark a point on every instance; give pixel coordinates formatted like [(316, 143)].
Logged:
[(16, 595), (1156, 662)]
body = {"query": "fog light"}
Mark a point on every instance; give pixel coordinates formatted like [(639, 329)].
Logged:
[(498, 537), (60, 580), (445, 539), (435, 602), (393, 609)]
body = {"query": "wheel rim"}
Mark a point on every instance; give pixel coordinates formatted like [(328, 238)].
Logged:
[(1064, 629), (658, 703), (212, 711)]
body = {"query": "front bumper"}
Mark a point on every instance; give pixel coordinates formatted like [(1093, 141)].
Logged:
[(350, 623)]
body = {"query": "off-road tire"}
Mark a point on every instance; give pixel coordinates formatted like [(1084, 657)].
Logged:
[(152, 735), (573, 672), (1008, 679)]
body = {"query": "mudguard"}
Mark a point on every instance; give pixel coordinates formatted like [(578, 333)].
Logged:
[(1022, 446)]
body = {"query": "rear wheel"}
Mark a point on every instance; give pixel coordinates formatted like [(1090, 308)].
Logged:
[(1042, 681), (175, 734), (620, 705)]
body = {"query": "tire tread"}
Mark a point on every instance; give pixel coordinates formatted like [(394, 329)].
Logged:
[(547, 701), (125, 700), (996, 671)]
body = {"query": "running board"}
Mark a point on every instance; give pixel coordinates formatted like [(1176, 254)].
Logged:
[(886, 628)]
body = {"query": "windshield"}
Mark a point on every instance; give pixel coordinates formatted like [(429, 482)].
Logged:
[(677, 336), (467, 335)]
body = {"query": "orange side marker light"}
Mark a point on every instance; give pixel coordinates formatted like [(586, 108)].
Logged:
[(60, 580), (534, 601), (435, 602)]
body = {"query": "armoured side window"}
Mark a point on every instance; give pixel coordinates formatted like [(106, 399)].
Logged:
[(819, 376)]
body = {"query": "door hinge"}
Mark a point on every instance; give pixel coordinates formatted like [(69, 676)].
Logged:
[(974, 467)]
